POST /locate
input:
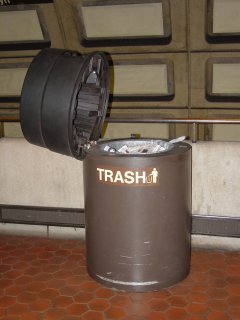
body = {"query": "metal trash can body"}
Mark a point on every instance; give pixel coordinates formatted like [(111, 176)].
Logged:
[(137, 206), (138, 230)]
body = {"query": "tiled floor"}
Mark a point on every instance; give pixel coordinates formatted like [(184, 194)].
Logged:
[(46, 279)]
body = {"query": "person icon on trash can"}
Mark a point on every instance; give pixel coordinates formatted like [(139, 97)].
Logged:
[(152, 177)]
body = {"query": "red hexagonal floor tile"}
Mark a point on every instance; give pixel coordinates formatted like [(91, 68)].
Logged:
[(77, 309), (18, 309), (176, 313), (7, 301), (27, 297), (62, 301), (115, 313), (93, 315), (54, 314), (178, 301), (40, 305), (219, 315), (104, 293), (120, 301), (99, 304), (158, 305)]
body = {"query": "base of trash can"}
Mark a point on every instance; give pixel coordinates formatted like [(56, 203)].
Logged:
[(138, 217), (144, 286)]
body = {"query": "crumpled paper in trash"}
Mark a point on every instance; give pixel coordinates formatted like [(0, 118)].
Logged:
[(144, 148)]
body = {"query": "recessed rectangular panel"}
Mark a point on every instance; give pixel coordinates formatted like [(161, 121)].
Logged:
[(12, 130), (11, 81), (124, 22), (142, 80), (22, 28), (223, 79), (26, 26), (226, 78), (226, 15), (128, 20), (223, 20), (124, 130), (226, 132)]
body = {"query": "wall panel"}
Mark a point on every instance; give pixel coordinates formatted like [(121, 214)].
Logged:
[(11, 80), (217, 132), (223, 79), (176, 81), (69, 19), (31, 28), (12, 74), (117, 23), (201, 81), (12, 130), (162, 130), (199, 25)]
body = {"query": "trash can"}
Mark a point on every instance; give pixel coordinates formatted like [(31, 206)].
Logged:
[(137, 202), (138, 216)]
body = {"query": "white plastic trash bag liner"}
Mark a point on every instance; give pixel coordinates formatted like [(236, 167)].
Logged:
[(141, 146)]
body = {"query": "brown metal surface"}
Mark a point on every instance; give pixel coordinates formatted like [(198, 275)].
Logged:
[(137, 234)]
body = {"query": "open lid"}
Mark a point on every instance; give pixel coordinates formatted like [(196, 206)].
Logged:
[(64, 100)]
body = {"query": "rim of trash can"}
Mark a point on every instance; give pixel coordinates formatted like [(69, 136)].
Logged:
[(176, 148)]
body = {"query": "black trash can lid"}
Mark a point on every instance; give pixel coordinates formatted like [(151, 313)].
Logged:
[(64, 100)]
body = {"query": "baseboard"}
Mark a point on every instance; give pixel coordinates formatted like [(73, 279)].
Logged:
[(74, 217), (49, 216)]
